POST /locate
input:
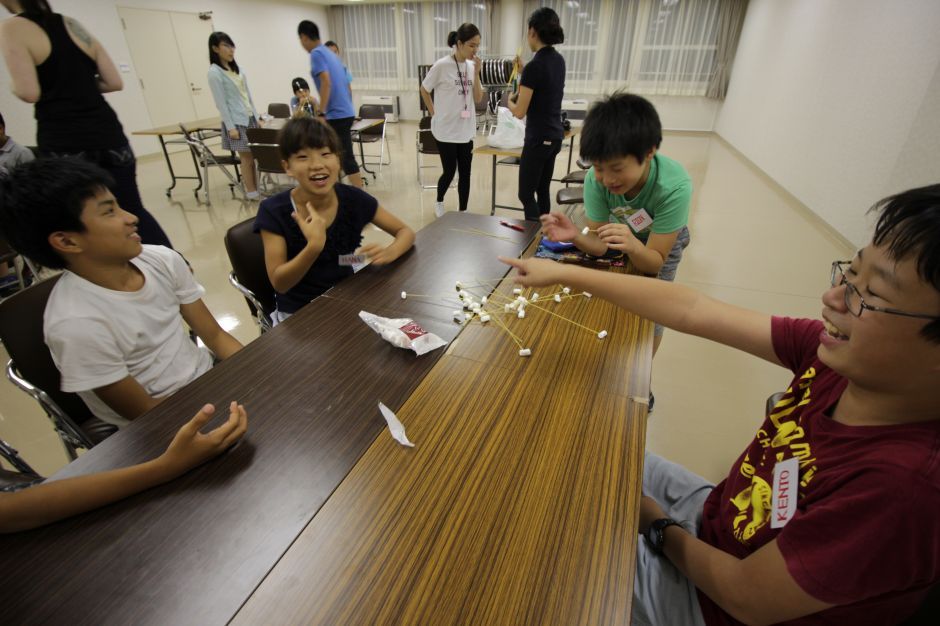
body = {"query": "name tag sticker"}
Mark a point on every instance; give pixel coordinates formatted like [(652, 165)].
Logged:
[(353, 259), (640, 220), (465, 114), (786, 484)]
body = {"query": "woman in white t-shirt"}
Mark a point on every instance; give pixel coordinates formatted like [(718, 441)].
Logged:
[(455, 81)]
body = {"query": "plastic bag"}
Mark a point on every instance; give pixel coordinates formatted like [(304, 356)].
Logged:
[(403, 332), (508, 133)]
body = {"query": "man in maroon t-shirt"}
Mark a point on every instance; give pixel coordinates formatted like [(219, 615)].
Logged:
[(832, 513)]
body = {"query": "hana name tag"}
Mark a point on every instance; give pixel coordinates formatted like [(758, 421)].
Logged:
[(786, 484)]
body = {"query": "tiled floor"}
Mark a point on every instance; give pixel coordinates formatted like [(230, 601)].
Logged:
[(752, 244)]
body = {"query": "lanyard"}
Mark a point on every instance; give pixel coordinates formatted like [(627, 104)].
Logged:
[(464, 84)]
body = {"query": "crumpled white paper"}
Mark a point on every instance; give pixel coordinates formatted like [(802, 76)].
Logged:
[(395, 426)]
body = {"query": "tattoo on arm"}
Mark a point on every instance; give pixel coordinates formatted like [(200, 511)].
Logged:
[(80, 33)]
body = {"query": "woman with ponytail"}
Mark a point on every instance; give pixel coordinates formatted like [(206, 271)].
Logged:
[(455, 81), (58, 65), (539, 100)]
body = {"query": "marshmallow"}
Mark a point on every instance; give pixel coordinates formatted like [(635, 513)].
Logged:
[(404, 295), (525, 352), (602, 334), (484, 300), (517, 291), (566, 290), (534, 297), (463, 294), (484, 318), (458, 316), (521, 313), (475, 307), (459, 285), (588, 295), (507, 308), (585, 230), (468, 316), (557, 298)]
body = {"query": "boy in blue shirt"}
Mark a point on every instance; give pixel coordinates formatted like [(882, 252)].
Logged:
[(336, 104)]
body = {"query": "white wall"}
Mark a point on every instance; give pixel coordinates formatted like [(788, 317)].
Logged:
[(838, 101), (265, 32)]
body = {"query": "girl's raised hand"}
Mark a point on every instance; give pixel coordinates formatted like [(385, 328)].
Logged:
[(311, 224)]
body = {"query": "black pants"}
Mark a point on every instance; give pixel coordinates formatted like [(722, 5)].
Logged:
[(342, 126), (455, 156), (121, 164), (536, 166)]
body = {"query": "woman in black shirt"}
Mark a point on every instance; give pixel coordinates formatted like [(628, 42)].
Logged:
[(539, 100), (56, 64)]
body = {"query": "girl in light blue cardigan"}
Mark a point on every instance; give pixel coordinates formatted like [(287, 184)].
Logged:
[(230, 92)]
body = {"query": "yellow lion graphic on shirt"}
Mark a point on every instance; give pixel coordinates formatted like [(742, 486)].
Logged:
[(753, 509)]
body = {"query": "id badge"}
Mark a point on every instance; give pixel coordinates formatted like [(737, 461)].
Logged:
[(786, 484), (640, 221), (465, 114)]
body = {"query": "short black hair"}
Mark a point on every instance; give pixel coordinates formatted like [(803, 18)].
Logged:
[(909, 225), (300, 133), (299, 83), (618, 126), (464, 33), (547, 26), (44, 196), (309, 29), (2, 123), (331, 44)]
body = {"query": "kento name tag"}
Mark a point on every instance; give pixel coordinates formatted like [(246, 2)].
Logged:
[(640, 220), (786, 484)]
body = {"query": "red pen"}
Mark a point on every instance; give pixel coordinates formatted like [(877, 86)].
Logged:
[(512, 226)]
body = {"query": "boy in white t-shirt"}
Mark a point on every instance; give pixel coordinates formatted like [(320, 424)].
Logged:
[(113, 322)]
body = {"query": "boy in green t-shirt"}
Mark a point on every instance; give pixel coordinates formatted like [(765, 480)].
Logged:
[(635, 200)]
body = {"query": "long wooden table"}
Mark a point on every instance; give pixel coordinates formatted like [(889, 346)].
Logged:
[(517, 505)]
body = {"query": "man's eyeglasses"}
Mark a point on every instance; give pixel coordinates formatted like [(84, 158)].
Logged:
[(853, 299)]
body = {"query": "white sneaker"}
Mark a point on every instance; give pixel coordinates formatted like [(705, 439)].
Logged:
[(252, 195), (439, 209)]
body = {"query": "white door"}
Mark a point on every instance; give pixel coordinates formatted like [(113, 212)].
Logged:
[(192, 40), (153, 47)]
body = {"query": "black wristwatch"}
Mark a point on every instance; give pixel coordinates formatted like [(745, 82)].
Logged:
[(656, 533)]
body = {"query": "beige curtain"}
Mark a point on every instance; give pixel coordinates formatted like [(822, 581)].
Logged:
[(729, 32), (334, 16), (491, 28)]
